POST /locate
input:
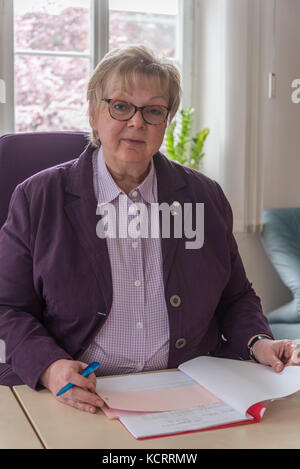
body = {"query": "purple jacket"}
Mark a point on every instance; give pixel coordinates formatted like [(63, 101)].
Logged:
[(55, 272)]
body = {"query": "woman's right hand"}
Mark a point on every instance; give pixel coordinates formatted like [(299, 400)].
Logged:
[(83, 395)]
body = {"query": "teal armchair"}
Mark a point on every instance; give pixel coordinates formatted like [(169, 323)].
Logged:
[(281, 241)]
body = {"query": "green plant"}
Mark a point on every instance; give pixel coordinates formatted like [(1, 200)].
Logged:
[(179, 144)]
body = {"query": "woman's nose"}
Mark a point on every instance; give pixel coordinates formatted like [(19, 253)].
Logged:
[(137, 120)]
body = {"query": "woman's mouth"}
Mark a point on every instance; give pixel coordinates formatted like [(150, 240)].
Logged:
[(131, 141)]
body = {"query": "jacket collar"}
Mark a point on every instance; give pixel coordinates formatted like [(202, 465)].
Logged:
[(79, 177)]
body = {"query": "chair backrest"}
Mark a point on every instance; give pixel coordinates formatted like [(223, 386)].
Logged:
[(25, 154), (281, 240)]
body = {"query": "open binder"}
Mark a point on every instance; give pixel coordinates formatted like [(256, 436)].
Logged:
[(205, 393)]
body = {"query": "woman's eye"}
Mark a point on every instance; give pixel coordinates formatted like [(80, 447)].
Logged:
[(120, 106), (155, 111)]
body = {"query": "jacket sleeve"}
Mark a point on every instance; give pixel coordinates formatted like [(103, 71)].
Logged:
[(239, 311), (29, 347)]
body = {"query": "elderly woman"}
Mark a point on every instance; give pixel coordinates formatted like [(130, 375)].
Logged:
[(69, 295)]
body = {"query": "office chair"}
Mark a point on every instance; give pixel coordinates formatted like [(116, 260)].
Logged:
[(21, 156), (24, 154)]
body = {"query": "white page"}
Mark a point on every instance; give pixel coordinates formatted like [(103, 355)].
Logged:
[(178, 421), (145, 381), (242, 384)]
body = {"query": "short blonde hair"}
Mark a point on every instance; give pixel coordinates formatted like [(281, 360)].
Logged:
[(129, 63)]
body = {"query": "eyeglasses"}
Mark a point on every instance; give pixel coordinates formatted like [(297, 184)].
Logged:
[(123, 111)]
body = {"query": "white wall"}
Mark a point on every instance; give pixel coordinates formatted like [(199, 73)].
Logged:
[(281, 124)]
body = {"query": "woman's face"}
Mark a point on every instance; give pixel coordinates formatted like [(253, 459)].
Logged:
[(132, 142)]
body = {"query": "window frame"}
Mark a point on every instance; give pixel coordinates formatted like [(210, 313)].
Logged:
[(99, 43), (7, 108)]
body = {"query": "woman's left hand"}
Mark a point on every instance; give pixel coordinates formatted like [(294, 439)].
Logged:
[(277, 353)]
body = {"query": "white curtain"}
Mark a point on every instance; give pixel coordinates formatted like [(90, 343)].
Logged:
[(231, 84), (242, 87), (6, 67)]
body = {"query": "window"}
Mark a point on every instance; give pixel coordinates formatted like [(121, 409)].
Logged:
[(217, 44), (154, 24), (52, 64), (54, 53)]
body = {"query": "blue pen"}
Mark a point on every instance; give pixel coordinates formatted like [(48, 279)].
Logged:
[(88, 370)]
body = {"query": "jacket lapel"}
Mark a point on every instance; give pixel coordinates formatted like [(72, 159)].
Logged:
[(81, 205), (170, 186)]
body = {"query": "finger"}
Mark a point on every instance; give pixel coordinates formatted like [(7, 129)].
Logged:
[(277, 365), (81, 381), (83, 400), (82, 365), (79, 405), (287, 348), (275, 360), (281, 353), (291, 347), (78, 394), (295, 358), (93, 378)]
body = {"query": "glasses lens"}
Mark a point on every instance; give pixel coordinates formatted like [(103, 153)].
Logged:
[(121, 110), (155, 114)]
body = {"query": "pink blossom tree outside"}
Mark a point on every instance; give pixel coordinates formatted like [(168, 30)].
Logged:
[(51, 90)]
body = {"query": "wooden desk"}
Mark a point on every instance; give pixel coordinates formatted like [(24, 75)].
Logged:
[(15, 429), (61, 426)]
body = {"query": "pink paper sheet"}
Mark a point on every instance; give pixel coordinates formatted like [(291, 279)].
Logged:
[(161, 400)]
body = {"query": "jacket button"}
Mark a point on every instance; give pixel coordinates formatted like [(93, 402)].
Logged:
[(175, 300), (180, 343)]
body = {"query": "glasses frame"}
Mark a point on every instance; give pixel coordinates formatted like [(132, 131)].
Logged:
[(136, 109)]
